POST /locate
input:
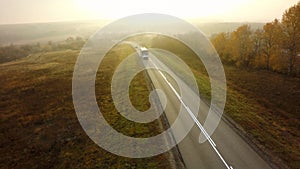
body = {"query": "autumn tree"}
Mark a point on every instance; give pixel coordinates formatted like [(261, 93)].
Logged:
[(275, 47), (271, 42), (291, 25), (242, 45), (221, 42)]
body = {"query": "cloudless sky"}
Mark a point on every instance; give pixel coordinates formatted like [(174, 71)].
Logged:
[(27, 11)]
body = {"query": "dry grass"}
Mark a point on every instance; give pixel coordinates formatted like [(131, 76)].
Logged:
[(39, 127)]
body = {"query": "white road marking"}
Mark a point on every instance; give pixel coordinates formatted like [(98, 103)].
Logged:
[(212, 143)]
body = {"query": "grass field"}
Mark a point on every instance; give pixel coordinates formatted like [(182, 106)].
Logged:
[(266, 105), (39, 127)]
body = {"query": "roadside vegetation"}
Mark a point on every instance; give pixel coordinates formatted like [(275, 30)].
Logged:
[(275, 47)]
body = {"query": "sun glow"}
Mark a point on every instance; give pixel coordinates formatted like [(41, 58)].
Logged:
[(180, 8), (18, 11)]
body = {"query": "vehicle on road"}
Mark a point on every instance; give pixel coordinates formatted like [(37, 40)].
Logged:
[(144, 53)]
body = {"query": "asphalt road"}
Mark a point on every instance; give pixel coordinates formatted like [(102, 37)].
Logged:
[(235, 151)]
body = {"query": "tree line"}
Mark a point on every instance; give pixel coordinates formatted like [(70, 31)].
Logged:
[(14, 52), (275, 47)]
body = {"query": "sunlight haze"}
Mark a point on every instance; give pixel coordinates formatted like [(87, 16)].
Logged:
[(16, 11)]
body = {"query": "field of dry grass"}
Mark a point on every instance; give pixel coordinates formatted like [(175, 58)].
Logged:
[(39, 127), (268, 110)]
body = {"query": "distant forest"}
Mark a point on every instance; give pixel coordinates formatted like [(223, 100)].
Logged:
[(13, 52), (275, 47)]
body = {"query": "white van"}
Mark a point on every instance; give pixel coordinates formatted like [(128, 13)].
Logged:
[(144, 53)]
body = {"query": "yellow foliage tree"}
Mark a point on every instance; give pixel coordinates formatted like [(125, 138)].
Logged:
[(291, 45)]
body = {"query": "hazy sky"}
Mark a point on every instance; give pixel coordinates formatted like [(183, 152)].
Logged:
[(24, 11)]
